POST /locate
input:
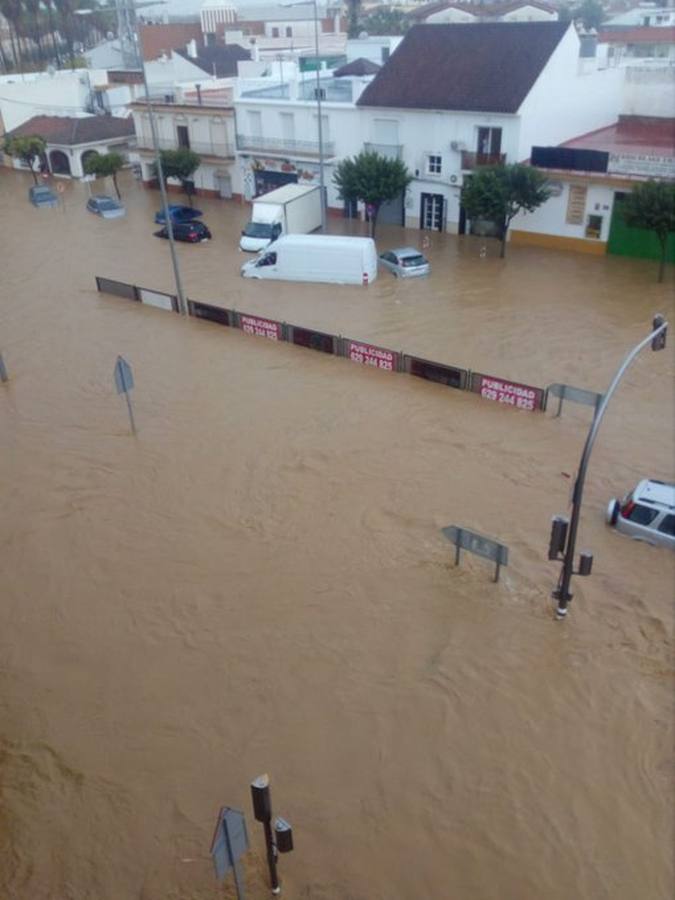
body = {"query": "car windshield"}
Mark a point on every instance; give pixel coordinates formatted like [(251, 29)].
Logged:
[(107, 204), (410, 261), (258, 230)]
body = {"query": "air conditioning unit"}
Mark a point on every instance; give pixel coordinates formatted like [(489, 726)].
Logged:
[(457, 146)]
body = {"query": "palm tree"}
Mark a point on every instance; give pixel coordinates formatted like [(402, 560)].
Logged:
[(11, 10), (32, 23)]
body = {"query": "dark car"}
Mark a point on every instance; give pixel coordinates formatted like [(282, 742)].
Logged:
[(193, 232), (41, 195), (178, 214)]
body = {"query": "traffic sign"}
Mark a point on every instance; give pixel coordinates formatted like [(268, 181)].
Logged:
[(124, 382), (230, 842)]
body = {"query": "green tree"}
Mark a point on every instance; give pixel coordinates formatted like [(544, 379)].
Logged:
[(353, 18), (499, 193), (104, 165), (181, 164), (652, 206), (386, 20), (590, 13), (27, 148), (372, 179)]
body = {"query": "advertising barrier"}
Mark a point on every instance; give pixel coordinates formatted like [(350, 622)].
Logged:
[(260, 327), (314, 340), (432, 371), (370, 355), (118, 288), (158, 299), (510, 393), (212, 313)]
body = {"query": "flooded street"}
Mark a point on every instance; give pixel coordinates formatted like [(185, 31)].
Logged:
[(258, 582)]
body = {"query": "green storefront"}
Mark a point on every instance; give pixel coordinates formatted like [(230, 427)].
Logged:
[(625, 241)]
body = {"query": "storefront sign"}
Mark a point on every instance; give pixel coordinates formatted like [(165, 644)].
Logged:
[(522, 396), (641, 164), (368, 355), (260, 327)]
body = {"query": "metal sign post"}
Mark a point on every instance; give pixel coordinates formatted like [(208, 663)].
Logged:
[(124, 382), (230, 842), (464, 539), (3, 370)]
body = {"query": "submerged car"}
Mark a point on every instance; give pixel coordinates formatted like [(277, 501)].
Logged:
[(107, 207), (41, 195), (178, 214), (647, 513), (405, 262), (192, 232)]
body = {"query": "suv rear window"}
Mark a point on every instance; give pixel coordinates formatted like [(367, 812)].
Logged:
[(642, 515)]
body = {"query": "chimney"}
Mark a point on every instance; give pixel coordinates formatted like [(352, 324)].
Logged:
[(199, 93), (192, 49)]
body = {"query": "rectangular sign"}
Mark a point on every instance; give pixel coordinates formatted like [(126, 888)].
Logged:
[(424, 368), (511, 393), (124, 377), (576, 395), (119, 288), (369, 355), (267, 328), (211, 313), (314, 340), (641, 164), (157, 299), (230, 840)]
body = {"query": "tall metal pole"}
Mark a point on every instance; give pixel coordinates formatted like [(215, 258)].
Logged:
[(318, 105), (182, 304), (562, 592)]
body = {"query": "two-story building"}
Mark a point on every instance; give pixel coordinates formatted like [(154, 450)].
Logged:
[(456, 97), (197, 119), (497, 11)]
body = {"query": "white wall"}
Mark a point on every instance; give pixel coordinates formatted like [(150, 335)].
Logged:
[(530, 14), (648, 92), (371, 48), (63, 94), (451, 16), (564, 103), (550, 218)]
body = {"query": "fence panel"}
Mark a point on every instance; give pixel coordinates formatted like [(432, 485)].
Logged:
[(371, 355), (433, 371), (212, 313), (510, 393), (119, 288), (267, 328), (158, 299), (315, 340)]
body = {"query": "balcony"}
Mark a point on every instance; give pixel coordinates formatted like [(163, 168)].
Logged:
[(282, 146), (390, 151), (204, 148), (472, 160)]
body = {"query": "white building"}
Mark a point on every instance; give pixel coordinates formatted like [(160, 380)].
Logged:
[(500, 11), (636, 46), (645, 15), (455, 97), (215, 13)]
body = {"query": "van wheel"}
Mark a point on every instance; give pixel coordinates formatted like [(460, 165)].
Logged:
[(613, 512)]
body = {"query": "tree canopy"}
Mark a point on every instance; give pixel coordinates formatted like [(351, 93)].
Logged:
[(652, 206), (182, 165), (498, 193), (372, 179), (386, 20), (103, 165), (28, 148)]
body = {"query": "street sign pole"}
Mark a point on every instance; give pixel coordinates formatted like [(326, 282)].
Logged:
[(124, 382), (230, 842)]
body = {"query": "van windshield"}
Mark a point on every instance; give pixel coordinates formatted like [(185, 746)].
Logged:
[(258, 230)]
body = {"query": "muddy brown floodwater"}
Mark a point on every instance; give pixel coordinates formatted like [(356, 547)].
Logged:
[(258, 581)]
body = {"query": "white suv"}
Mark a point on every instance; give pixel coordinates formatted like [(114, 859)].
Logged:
[(647, 513)]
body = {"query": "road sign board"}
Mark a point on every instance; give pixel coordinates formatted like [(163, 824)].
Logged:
[(230, 840), (465, 539), (124, 377)]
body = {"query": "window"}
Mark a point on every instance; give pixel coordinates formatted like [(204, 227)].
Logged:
[(289, 31), (641, 515), (594, 227), (287, 126), (434, 164), (324, 126), (668, 526), (254, 123), (275, 32), (183, 136), (489, 141), (576, 205)]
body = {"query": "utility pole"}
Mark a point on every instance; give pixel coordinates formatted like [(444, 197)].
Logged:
[(322, 186), (563, 541)]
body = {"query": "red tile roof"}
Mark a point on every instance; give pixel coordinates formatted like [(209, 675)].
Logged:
[(485, 67), (646, 35), (72, 131), (631, 135), (159, 39)]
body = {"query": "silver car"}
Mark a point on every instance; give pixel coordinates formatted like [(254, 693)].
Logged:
[(107, 207), (647, 513), (40, 195), (405, 262)]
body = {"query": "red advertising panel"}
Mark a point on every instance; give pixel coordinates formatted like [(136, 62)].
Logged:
[(522, 396), (369, 355), (261, 327)]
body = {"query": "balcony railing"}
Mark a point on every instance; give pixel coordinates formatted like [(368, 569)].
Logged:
[(472, 160), (280, 145), (390, 151), (205, 148)]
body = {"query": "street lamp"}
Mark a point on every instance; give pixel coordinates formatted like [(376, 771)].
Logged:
[(563, 533), (317, 93), (124, 9)]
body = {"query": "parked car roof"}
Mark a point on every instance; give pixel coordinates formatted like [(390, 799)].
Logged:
[(661, 492)]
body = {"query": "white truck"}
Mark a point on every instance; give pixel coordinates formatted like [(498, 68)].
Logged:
[(291, 209), (316, 257)]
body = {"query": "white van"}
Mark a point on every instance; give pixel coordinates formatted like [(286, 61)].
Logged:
[(291, 209), (316, 257)]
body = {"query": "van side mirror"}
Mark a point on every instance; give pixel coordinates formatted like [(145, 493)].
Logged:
[(243, 231)]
